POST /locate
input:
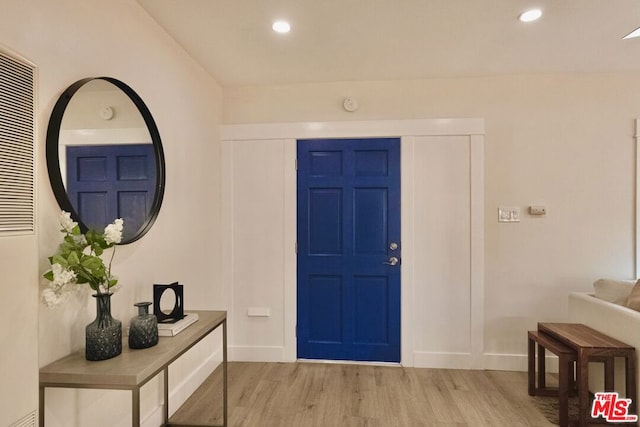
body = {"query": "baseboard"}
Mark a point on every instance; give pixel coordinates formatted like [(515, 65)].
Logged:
[(489, 361), (516, 362), (256, 353), (179, 393), (182, 391), (442, 360), (154, 419), (350, 362), (505, 362)]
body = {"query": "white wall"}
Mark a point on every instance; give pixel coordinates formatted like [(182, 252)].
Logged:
[(441, 233), (564, 141), (73, 39), (258, 241)]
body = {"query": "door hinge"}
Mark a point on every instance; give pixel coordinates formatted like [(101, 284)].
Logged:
[(296, 247), (296, 163), (296, 331)]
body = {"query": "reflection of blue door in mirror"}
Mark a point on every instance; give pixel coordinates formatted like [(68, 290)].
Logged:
[(111, 181)]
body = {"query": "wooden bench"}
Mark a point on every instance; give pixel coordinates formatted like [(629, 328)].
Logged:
[(593, 346), (566, 378)]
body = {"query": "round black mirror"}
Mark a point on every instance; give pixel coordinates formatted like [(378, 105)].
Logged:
[(105, 157)]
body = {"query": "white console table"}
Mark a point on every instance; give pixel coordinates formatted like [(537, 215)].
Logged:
[(134, 368)]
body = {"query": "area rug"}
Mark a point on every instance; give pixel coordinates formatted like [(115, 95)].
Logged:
[(549, 406)]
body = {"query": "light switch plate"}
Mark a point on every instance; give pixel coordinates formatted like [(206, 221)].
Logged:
[(508, 214)]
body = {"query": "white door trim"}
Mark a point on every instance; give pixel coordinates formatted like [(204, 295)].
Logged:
[(406, 129), (352, 129)]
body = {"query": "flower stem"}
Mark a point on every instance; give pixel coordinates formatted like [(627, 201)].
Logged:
[(113, 253)]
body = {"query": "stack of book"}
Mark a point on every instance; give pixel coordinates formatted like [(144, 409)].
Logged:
[(166, 329)]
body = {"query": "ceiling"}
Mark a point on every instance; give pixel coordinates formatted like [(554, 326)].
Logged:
[(360, 40)]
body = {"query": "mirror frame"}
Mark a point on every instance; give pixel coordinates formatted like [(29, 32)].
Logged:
[(53, 160)]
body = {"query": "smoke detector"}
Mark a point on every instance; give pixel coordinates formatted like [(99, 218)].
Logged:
[(350, 104)]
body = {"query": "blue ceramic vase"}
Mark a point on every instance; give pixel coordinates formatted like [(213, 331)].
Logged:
[(143, 330), (104, 334)]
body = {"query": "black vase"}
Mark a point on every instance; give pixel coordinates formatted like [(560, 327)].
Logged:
[(143, 330), (104, 334)]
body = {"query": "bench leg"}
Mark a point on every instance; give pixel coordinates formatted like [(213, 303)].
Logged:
[(609, 374), (564, 368), (542, 381), (582, 371), (531, 367), (630, 381), (573, 387)]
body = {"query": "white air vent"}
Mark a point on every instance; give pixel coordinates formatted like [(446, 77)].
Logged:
[(28, 420), (17, 145)]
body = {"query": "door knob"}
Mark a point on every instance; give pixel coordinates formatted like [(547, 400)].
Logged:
[(393, 246), (392, 261)]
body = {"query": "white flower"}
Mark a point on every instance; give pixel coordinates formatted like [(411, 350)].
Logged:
[(62, 276), (80, 239), (81, 253), (51, 298), (113, 231), (104, 289), (55, 294), (66, 222)]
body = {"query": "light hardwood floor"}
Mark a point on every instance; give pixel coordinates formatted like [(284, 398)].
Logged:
[(320, 394)]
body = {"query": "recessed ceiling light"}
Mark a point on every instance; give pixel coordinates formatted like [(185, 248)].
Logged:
[(632, 34), (530, 15), (281, 27)]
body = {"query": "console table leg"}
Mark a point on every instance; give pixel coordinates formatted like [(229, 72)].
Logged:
[(135, 407), (224, 374), (41, 408), (165, 407)]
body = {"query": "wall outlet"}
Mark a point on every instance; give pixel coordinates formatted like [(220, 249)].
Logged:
[(258, 312), (508, 214)]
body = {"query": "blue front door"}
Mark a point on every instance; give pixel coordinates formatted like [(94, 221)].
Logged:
[(348, 241)]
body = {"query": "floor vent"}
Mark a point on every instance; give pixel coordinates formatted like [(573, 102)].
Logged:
[(28, 420)]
